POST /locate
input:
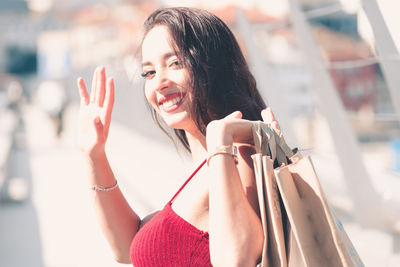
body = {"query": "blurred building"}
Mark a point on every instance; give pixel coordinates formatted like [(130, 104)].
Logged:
[(61, 40), (20, 28)]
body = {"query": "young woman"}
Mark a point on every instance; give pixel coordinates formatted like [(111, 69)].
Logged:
[(198, 83)]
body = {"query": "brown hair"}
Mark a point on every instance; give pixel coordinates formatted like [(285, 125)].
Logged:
[(220, 77)]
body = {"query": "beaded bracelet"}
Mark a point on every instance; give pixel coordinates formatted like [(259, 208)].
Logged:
[(224, 150), (95, 188)]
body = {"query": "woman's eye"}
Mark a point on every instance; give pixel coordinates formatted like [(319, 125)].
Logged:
[(175, 63), (147, 74)]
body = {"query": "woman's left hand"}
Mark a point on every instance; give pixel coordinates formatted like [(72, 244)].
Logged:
[(234, 129), (231, 129)]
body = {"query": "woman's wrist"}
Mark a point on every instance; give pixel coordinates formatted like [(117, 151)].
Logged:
[(95, 155), (104, 188), (217, 136), (225, 150), (100, 173)]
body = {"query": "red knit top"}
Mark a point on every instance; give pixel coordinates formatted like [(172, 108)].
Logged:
[(168, 240)]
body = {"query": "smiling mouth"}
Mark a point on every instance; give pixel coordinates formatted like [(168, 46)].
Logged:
[(171, 102)]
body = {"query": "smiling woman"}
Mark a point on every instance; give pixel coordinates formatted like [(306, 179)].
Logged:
[(199, 84), (220, 79)]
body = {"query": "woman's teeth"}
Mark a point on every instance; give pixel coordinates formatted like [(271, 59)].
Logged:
[(172, 102)]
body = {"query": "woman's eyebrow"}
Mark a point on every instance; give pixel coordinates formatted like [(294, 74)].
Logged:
[(164, 57), (147, 63)]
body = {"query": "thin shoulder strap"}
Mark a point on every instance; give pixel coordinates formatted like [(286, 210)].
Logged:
[(187, 181)]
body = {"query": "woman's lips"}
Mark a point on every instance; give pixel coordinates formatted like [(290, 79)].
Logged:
[(171, 102)]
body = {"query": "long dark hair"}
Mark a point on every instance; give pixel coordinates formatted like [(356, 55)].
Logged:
[(220, 77)]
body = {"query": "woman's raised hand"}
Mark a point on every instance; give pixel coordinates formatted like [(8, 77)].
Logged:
[(95, 112)]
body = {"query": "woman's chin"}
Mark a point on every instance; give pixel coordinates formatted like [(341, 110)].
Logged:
[(179, 121), (177, 125)]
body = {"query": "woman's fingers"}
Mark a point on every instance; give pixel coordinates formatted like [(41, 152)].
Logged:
[(109, 101), (94, 87), (269, 117), (275, 125), (97, 92), (234, 115), (83, 92), (100, 86)]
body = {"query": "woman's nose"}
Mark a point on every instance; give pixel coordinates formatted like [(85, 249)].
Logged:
[(162, 81)]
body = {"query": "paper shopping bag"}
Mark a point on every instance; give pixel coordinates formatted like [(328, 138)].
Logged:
[(321, 240), (275, 223), (299, 227)]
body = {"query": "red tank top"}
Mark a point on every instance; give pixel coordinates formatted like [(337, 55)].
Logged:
[(168, 240)]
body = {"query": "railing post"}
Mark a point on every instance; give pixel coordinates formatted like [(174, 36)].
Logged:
[(367, 202), (388, 54)]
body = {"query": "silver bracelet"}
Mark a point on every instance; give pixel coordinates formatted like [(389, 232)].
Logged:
[(95, 188)]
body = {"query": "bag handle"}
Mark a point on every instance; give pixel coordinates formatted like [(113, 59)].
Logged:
[(269, 141), (281, 144), (262, 137)]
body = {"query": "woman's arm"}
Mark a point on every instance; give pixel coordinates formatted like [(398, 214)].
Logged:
[(236, 234), (117, 220)]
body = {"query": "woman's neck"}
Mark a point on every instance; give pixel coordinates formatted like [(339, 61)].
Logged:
[(198, 146)]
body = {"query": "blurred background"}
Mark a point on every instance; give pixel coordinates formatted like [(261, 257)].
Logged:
[(328, 68)]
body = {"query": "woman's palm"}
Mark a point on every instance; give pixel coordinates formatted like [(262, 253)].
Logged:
[(95, 112)]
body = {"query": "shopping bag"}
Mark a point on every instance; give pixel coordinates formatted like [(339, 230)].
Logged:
[(300, 228), (275, 225)]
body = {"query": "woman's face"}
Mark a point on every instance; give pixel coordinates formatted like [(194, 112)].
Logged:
[(167, 85)]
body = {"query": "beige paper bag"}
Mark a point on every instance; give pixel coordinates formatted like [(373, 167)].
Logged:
[(299, 227)]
